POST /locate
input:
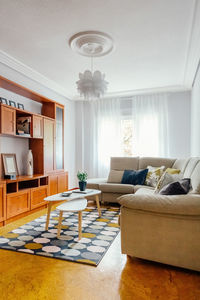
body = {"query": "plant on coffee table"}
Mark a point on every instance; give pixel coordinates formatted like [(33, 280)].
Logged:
[(82, 177)]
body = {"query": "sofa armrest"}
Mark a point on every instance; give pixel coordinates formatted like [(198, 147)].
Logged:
[(177, 205)]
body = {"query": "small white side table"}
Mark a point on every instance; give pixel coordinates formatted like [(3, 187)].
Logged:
[(77, 205)]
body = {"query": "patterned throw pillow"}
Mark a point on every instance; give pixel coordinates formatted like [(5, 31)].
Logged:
[(153, 176), (167, 178)]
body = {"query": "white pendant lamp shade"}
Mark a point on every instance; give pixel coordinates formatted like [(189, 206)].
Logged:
[(91, 85)]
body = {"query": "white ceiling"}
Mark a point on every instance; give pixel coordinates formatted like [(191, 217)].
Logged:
[(152, 40)]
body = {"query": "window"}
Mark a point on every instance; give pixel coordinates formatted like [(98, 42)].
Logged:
[(127, 137)]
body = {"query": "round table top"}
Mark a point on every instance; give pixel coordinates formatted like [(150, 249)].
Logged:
[(74, 205), (74, 195)]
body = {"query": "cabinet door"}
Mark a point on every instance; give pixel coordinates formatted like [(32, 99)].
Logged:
[(62, 182), (53, 184), (59, 137), (37, 127), (2, 202), (48, 145), (38, 195), (17, 203), (8, 120)]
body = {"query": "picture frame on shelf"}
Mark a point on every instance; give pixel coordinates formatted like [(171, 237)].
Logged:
[(12, 103), (3, 100), (20, 106), (10, 164)]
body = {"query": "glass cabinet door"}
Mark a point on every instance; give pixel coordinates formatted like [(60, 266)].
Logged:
[(59, 137)]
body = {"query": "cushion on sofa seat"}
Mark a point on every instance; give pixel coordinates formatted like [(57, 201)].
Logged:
[(180, 187), (145, 190), (116, 188), (134, 177), (115, 176), (188, 205)]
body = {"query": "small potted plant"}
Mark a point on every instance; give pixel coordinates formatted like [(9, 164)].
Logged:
[(82, 177)]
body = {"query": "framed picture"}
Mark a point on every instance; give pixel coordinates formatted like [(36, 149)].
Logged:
[(12, 103), (3, 100), (20, 106), (10, 164)]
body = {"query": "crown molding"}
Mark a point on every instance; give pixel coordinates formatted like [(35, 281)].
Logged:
[(193, 49), (18, 66), (148, 91)]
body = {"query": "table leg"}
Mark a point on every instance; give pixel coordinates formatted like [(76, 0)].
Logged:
[(79, 225), (98, 205), (59, 224), (48, 215)]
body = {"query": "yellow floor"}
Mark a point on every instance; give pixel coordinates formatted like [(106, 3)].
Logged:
[(24, 276)]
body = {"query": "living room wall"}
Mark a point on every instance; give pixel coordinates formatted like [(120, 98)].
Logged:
[(195, 117), (22, 146)]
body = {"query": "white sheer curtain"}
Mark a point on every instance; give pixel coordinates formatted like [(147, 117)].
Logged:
[(106, 142), (100, 132), (150, 130)]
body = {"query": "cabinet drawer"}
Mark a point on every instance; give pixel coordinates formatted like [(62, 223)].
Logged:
[(17, 203), (38, 195)]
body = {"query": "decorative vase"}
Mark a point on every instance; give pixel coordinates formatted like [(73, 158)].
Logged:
[(82, 185), (30, 163)]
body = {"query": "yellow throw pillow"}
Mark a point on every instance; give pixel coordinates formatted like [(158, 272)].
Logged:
[(153, 175), (172, 171)]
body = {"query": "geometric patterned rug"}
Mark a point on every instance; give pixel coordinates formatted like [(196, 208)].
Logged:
[(97, 236)]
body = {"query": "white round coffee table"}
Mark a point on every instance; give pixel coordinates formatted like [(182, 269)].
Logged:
[(58, 197), (77, 205)]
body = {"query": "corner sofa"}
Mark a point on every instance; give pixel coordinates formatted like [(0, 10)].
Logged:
[(157, 227)]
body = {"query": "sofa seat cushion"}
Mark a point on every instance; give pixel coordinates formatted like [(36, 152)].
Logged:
[(116, 188), (188, 205), (144, 188), (94, 183)]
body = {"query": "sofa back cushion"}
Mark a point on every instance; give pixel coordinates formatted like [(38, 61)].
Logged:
[(124, 163), (191, 166), (155, 162), (115, 176), (195, 179), (181, 164)]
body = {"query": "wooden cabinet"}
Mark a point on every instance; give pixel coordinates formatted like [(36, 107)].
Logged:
[(8, 120), (38, 195), (2, 202), (37, 127), (17, 203), (59, 149), (49, 136), (53, 184), (62, 182), (58, 183)]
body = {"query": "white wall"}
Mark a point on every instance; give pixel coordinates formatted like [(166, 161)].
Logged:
[(7, 144), (195, 117), (179, 112)]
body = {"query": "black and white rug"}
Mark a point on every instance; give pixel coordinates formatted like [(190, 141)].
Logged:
[(97, 236)]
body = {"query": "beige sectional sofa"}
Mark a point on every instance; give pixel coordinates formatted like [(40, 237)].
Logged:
[(157, 227)]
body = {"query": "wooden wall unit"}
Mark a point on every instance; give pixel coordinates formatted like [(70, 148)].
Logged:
[(8, 120), (25, 194), (2, 202)]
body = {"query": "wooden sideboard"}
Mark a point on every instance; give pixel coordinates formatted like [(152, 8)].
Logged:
[(25, 194)]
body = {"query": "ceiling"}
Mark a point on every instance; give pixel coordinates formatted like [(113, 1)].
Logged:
[(152, 40)]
